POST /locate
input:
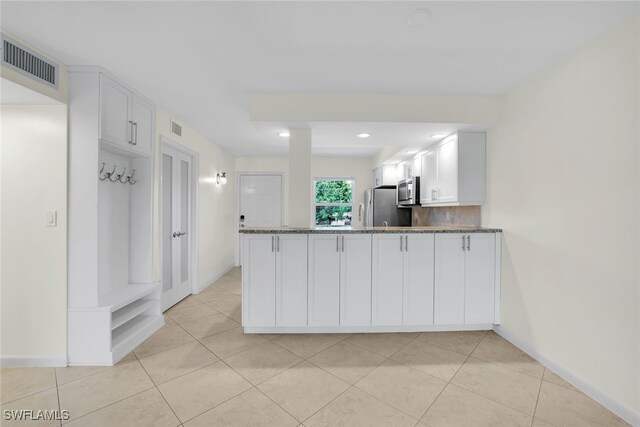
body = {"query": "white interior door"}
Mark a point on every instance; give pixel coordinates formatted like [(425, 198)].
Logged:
[(176, 226), (260, 202)]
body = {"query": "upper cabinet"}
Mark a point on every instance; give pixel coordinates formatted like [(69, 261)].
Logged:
[(126, 119), (453, 171), (385, 175)]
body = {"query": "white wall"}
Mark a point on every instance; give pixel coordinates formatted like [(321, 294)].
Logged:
[(358, 168), (564, 184), (216, 209), (34, 257)]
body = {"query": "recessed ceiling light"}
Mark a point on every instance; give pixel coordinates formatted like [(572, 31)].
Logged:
[(283, 134), (363, 135), (438, 135), (419, 17)]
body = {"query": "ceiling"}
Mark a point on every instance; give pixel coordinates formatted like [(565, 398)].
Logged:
[(203, 60)]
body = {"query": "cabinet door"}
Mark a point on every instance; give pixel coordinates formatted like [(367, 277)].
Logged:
[(143, 125), (324, 280), (449, 279), (480, 278), (355, 279), (388, 263), (418, 279), (428, 176), (258, 280), (377, 177), (448, 171), (115, 102), (291, 280)]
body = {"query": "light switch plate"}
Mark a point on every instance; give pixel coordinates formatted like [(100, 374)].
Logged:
[(52, 218)]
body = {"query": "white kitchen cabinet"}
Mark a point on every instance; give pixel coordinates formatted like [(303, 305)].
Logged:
[(259, 280), (464, 284), (418, 279), (339, 279), (291, 279), (428, 176), (126, 119), (385, 175), (479, 283), (449, 279), (447, 171), (453, 171), (386, 288), (402, 282), (115, 105), (143, 122), (275, 280), (324, 280), (355, 279)]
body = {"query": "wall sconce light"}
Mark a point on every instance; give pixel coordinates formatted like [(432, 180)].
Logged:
[(221, 178)]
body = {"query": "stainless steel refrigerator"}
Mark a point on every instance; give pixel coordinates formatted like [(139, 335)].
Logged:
[(380, 209)]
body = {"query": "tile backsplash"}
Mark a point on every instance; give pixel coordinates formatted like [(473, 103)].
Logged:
[(451, 215)]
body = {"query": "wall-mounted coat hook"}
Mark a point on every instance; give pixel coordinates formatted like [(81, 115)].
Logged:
[(123, 175), (130, 179), (102, 177), (112, 174)]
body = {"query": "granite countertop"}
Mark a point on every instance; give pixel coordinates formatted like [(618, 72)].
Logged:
[(345, 230)]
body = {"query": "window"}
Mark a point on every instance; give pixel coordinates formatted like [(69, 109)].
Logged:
[(333, 201)]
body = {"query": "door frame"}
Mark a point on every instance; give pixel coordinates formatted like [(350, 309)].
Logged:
[(195, 157), (239, 175)]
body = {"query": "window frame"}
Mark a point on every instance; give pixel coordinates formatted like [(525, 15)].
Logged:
[(323, 204)]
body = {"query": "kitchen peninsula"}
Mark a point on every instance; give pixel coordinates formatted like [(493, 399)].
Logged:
[(374, 279)]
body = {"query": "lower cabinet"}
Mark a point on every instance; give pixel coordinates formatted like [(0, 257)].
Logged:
[(339, 279), (361, 279), (274, 280), (402, 283), (464, 278)]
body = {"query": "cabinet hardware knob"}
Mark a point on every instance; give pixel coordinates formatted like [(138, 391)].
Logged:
[(468, 242), (406, 243), (337, 243), (272, 243), (401, 248)]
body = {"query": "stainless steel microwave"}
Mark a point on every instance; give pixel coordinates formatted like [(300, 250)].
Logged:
[(409, 191)]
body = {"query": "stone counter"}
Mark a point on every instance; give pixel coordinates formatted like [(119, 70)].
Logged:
[(349, 230)]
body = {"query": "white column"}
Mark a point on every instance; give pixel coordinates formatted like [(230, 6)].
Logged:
[(300, 177)]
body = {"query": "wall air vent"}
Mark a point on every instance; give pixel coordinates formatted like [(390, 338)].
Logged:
[(29, 63), (176, 129)]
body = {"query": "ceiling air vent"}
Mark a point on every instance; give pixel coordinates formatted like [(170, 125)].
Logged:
[(29, 63), (176, 129)]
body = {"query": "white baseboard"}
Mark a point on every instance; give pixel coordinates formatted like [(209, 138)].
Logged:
[(621, 410), (206, 283), (33, 361), (361, 329)]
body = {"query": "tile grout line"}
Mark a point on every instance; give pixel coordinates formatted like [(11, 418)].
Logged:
[(535, 409), (450, 379), (55, 375), (354, 385), (241, 376), (156, 387), (483, 396)]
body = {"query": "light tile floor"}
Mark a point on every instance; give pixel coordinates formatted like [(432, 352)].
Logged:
[(201, 370)]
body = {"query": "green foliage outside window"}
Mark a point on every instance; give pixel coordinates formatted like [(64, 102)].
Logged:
[(333, 202)]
